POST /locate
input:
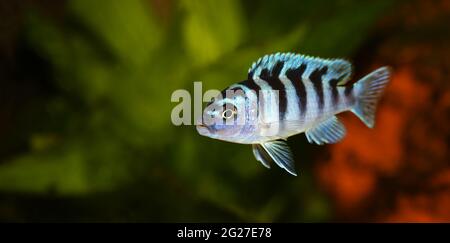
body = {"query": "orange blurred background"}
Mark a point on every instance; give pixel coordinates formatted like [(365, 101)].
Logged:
[(400, 171)]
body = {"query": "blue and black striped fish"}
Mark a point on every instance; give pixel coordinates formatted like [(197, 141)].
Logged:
[(287, 94)]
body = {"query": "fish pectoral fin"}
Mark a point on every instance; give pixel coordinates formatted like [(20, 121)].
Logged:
[(276, 151), (328, 131)]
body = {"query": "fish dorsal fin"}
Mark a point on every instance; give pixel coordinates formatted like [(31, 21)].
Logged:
[(338, 70), (341, 70), (328, 131), (276, 151)]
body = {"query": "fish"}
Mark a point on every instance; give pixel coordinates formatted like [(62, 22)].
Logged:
[(286, 94)]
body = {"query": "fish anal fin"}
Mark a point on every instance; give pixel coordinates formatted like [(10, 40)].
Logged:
[(328, 131)]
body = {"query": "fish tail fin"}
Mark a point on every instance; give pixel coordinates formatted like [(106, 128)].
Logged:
[(368, 90)]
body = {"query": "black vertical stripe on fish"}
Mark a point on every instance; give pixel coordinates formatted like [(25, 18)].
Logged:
[(295, 76), (348, 93), (252, 85), (348, 90), (334, 91), (233, 92), (250, 75), (275, 83), (316, 79)]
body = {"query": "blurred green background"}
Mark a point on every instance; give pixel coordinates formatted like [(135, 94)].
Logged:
[(88, 136)]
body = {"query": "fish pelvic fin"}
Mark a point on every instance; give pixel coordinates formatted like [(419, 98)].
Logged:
[(261, 155), (368, 91), (276, 151)]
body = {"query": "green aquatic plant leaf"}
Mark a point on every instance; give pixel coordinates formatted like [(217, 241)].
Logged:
[(129, 29), (211, 29), (114, 66)]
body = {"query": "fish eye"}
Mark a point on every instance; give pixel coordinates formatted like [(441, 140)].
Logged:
[(228, 113)]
